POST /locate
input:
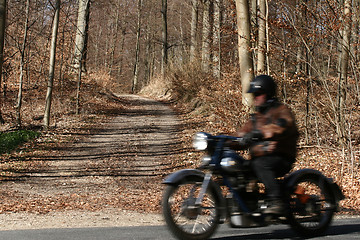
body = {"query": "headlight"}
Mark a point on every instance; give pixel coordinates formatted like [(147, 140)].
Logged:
[(200, 141)]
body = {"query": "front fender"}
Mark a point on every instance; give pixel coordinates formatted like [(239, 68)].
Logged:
[(294, 176), (184, 174)]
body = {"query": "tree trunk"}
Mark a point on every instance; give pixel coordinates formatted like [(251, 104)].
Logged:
[(51, 65), (149, 47), (78, 87), (137, 51), (344, 62), (216, 59), (299, 57), (2, 40), (253, 12), (300, 49), (194, 29), (81, 34), (81, 45), (183, 56), (267, 37), (122, 45), (22, 63), (261, 61), (245, 59), (114, 34), (284, 67), (164, 37), (205, 51), (147, 59), (355, 34), (97, 45)]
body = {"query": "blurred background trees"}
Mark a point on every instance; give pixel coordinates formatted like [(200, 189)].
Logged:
[(200, 52)]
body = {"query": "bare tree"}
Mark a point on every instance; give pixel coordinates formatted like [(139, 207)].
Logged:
[(344, 62), (81, 34), (122, 45), (81, 45), (2, 38), (22, 63), (300, 48), (137, 50), (165, 45), (206, 37), (261, 54), (194, 27), (115, 31), (51, 65), (216, 59), (245, 59)]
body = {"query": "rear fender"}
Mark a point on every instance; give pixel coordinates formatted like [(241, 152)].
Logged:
[(294, 176), (186, 175)]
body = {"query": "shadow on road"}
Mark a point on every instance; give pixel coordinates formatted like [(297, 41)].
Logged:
[(115, 145), (332, 233), (339, 230)]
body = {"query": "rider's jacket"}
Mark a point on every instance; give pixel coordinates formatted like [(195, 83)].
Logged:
[(276, 123)]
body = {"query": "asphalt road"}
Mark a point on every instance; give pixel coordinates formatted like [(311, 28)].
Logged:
[(345, 229)]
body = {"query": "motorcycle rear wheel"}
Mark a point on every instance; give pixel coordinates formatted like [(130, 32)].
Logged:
[(186, 220), (311, 206)]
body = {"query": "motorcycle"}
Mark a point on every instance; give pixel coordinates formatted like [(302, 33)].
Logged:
[(225, 189)]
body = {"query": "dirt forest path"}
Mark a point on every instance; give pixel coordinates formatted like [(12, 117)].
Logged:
[(101, 179)]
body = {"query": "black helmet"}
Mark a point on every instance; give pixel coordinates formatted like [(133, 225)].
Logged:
[(263, 84)]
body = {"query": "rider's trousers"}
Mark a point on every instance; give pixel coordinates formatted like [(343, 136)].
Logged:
[(267, 169)]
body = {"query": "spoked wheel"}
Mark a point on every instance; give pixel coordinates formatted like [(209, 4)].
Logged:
[(185, 219), (311, 206)]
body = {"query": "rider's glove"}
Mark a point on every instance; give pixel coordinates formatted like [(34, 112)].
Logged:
[(256, 135), (249, 138)]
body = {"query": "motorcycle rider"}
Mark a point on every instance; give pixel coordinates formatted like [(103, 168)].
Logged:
[(271, 135)]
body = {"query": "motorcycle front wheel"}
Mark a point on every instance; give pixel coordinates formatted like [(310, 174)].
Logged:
[(311, 206), (185, 219)]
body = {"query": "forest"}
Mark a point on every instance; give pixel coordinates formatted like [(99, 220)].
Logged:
[(197, 54)]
